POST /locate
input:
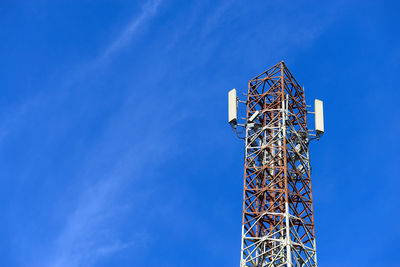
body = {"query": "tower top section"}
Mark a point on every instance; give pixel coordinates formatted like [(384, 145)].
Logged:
[(276, 82)]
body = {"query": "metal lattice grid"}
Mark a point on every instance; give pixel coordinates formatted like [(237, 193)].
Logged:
[(278, 224)]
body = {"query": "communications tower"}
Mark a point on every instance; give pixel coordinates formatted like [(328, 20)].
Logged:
[(278, 221)]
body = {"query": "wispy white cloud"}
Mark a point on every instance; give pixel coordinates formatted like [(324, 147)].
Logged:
[(149, 9), (87, 234), (90, 231), (215, 18), (123, 39), (10, 118), (15, 117)]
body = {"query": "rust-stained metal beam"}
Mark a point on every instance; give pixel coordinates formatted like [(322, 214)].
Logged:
[(278, 222)]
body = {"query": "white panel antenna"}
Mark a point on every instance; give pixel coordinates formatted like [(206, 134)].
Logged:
[(232, 107), (319, 116)]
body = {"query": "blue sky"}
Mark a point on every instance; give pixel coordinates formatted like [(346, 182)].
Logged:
[(114, 143)]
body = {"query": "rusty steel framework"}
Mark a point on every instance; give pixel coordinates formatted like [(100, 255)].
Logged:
[(278, 223)]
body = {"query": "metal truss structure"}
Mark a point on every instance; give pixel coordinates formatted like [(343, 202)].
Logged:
[(278, 223)]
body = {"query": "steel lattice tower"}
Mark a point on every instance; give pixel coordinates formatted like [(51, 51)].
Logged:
[(278, 223)]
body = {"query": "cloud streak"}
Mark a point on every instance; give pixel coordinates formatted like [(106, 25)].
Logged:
[(87, 234), (90, 232), (148, 10), (16, 115)]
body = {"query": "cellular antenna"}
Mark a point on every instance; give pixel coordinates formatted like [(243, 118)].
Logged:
[(232, 108), (319, 117)]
